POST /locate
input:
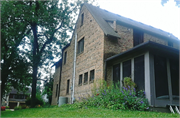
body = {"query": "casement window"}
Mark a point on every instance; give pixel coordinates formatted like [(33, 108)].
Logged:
[(170, 44), (80, 46), (82, 19), (127, 69), (91, 75), (67, 90), (138, 37), (116, 73), (65, 56), (139, 72), (80, 79), (85, 77), (56, 90)]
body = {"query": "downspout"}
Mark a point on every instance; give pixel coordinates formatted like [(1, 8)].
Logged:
[(74, 69)]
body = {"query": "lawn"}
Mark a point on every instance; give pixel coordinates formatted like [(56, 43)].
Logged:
[(89, 112)]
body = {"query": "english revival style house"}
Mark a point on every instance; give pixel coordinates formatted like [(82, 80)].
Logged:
[(108, 46)]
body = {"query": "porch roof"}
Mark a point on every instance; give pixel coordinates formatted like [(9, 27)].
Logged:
[(147, 46)]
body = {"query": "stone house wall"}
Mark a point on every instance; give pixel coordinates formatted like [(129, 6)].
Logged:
[(55, 83), (91, 58)]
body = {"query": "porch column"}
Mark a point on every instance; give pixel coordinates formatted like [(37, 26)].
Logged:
[(147, 77)]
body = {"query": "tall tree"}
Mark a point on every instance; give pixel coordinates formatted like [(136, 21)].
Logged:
[(47, 23), (14, 67)]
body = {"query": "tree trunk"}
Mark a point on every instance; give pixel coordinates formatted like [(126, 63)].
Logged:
[(35, 64)]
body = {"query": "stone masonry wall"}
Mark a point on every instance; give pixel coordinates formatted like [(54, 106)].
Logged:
[(148, 37), (91, 58), (55, 83)]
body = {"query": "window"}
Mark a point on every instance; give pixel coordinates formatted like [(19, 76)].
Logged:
[(170, 44), (56, 90), (139, 72), (116, 73), (127, 69), (174, 69), (82, 19), (65, 56), (80, 79), (86, 77), (161, 80), (81, 46), (91, 75), (67, 90), (138, 37)]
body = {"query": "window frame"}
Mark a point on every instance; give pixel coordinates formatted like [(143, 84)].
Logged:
[(67, 89), (65, 57), (80, 82), (82, 19), (138, 37), (80, 48), (86, 78), (90, 79)]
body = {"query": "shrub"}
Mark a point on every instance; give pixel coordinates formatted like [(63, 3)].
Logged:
[(7, 107), (113, 97), (3, 108), (17, 108), (38, 101), (23, 106)]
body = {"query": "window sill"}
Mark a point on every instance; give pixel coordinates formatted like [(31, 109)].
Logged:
[(80, 84), (92, 81), (79, 53), (85, 83)]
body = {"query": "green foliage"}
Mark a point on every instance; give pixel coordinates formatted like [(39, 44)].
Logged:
[(48, 88), (112, 97), (128, 82), (23, 106), (38, 101), (7, 107), (17, 108)]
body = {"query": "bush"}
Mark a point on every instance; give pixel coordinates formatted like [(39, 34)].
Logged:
[(17, 108), (112, 97), (38, 101), (23, 106), (7, 107)]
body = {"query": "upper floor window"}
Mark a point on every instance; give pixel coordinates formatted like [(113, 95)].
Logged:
[(170, 44), (82, 19), (81, 46), (65, 56), (138, 37)]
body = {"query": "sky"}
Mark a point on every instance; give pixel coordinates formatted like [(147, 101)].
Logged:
[(150, 12)]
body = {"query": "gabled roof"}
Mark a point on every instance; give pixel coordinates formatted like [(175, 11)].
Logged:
[(101, 16)]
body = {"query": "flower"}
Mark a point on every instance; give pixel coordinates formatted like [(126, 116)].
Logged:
[(128, 86), (122, 92), (142, 102), (147, 108), (97, 94), (134, 90)]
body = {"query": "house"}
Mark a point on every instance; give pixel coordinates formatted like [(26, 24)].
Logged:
[(108, 46), (15, 98)]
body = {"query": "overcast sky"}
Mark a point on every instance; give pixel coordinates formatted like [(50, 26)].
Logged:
[(149, 12)]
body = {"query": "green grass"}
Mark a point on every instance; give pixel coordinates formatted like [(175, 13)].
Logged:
[(89, 112)]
